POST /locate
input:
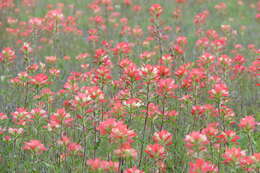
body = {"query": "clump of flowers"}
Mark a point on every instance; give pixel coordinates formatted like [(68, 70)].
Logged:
[(35, 146)]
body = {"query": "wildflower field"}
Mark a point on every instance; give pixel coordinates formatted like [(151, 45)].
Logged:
[(129, 86)]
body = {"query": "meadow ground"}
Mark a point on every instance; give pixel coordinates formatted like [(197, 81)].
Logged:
[(129, 86)]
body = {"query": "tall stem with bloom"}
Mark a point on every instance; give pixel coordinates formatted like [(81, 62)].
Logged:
[(250, 146), (145, 123), (163, 112)]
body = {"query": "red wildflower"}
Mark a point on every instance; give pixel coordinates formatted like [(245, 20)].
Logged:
[(7, 55), (163, 137), (34, 145), (133, 170), (247, 123), (155, 151), (156, 10), (233, 155), (39, 79), (201, 166)]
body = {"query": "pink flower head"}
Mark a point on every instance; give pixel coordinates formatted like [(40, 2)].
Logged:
[(155, 151), (26, 48), (201, 17), (163, 137), (233, 155), (218, 91), (126, 151), (228, 136), (211, 130), (182, 40), (39, 79), (38, 112), (166, 59), (3, 116), (121, 134), (156, 10), (181, 1), (196, 142), (149, 72), (21, 116), (55, 15), (257, 17), (201, 166), (224, 60), (198, 110), (106, 126), (58, 118), (122, 48), (197, 74), (34, 145), (7, 55), (133, 170), (74, 147), (247, 123), (99, 165), (166, 86), (206, 59), (247, 163)]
